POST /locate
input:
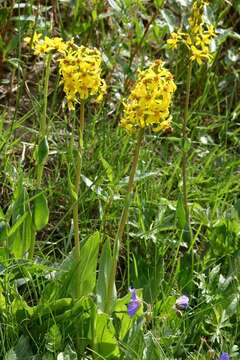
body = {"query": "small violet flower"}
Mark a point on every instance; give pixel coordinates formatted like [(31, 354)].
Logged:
[(134, 303), (182, 302), (225, 356)]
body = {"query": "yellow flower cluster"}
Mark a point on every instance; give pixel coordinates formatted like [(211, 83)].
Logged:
[(79, 66), (198, 36), (81, 74), (46, 45), (149, 101)]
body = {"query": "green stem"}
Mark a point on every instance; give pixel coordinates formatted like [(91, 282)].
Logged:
[(43, 117), (77, 249), (42, 134), (184, 138), (75, 207), (32, 246), (122, 223)]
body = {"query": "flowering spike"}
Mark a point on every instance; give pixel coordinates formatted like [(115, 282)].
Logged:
[(134, 303), (149, 101), (79, 66), (198, 36), (81, 75)]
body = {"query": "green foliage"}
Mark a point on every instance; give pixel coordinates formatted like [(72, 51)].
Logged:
[(40, 211), (105, 263)]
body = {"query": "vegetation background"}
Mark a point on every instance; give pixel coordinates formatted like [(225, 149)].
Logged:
[(39, 319)]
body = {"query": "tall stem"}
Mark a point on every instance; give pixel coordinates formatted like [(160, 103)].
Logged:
[(43, 118), (122, 223), (184, 138), (42, 141), (77, 249), (75, 207)]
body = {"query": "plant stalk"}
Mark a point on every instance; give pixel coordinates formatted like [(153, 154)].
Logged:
[(75, 207), (42, 134), (43, 118), (122, 223), (184, 139)]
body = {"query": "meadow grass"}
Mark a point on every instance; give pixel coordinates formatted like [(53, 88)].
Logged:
[(55, 304)]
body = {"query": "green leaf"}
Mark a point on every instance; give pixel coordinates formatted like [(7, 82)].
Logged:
[(88, 264), (105, 267), (18, 235), (158, 3), (40, 211), (65, 281), (4, 253), (29, 233), (19, 222), (48, 356), (53, 339), (22, 350), (134, 341), (180, 213), (234, 305), (12, 44), (11, 355), (3, 231), (42, 151), (106, 342), (169, 19), (152, 349), (68, 354), (2, 216), (21, 310), (56, 307), (19, 201), (108, 169)]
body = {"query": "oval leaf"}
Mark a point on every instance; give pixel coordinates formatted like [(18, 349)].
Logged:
[(40, 211)]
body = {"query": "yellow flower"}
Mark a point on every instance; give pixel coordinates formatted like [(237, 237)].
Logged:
[(49, 44), (197, 37), (173, 41), (211, 31), (199, 55), (80, 69), (36, 37), (164, 126), (149, 101)]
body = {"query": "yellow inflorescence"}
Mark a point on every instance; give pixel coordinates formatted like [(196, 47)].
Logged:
[(81, 74), (198, 36), (149, 101), (79, 66), (46, 45)]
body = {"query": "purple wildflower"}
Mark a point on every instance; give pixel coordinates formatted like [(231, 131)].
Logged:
[(182, 302), (134, 302), (225, 356)]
